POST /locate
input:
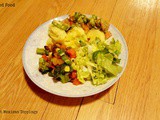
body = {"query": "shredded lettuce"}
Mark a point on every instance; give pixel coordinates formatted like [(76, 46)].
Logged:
[(105, 61), (99, 76), (97, 61), (114, 47)]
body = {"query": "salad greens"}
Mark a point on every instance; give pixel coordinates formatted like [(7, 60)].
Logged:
[(99, 64)]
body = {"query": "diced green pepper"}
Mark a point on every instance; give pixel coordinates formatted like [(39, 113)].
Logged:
[(61, 52), (76, 15), (40, 51), (68, 62), (104, 25), (43, 66), (98, 23), (66, 59), (65, 27), (41, 61), (51, 74), (93, 20), (64, 78), (85, 19), (80, 20), (94, 17), (46, 52), (61, 25)]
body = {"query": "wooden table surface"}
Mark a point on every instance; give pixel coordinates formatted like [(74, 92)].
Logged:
[(135, 97)]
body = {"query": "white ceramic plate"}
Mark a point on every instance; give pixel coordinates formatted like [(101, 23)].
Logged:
[(30, 62)]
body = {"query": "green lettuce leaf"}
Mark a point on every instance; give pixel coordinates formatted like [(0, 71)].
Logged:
[(114, 47), (105, 61)]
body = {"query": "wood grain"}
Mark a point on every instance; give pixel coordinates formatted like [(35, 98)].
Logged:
[(94, 110), (138, 93), (17, 92), (109, 95), (137, 96)]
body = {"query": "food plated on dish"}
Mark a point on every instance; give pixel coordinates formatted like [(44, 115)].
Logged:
[(79, 50), (75, 55)]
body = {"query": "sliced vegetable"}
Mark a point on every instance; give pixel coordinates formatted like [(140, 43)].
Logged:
[(71, 53), (76, 16), (51, 73), (73, 74), (76, 81), (104, 25), (40, 51), (43, 66), (66, 59), (57, 61), (85, 27), (45, 57), (63, 47), (93, 20), (61, 52), (64, 78), (108, 34), (61, 25)]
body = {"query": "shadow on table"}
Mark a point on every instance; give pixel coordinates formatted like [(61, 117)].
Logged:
[(54, 99)]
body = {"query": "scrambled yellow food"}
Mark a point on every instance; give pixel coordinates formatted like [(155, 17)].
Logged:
[(75, 34)]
